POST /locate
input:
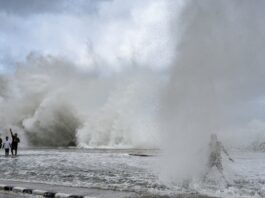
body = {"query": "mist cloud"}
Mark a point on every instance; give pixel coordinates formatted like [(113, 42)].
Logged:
[(216, 83), (95, 35), (102, 58)]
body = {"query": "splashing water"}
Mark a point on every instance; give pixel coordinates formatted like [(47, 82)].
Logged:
[(156, 74), (215, 83)]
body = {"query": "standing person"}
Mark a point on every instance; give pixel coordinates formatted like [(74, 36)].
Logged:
[(15, 141), (1, 141), (215, 158), (7, 146)]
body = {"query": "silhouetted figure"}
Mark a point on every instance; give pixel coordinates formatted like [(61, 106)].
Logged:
[(7, 146), (1, 142), (215, 155), (15, 141)]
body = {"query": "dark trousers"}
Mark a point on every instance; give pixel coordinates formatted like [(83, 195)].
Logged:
[(14, 148), (6, 152)]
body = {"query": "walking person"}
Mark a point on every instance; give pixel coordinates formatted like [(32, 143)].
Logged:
[(7, 146), (215, 158), (15, 141)]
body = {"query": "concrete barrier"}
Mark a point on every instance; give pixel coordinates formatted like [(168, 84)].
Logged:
[(61, 195), (39, 193), (8, 188), (49, 194), (18, 189), (27, 191)]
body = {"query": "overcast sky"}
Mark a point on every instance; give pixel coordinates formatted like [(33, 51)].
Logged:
[(107, 34)]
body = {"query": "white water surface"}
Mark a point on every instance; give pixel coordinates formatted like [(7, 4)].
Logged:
[(113, 169)]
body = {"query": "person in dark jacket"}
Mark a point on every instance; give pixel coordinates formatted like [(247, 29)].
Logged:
[(15, 141)]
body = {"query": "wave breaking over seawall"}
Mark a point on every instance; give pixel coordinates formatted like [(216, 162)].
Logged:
[(88, 74), (55, 104), (133, 74)]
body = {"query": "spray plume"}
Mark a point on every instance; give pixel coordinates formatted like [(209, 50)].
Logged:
[(217, 78)]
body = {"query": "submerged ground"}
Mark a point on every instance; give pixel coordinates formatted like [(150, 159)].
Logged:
[(116, 173)]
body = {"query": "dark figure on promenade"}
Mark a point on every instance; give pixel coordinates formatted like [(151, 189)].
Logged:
[(1, 142), (15, 141), (7, 146), (215, 155)]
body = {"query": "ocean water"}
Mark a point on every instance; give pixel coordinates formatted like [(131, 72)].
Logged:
[(118, 170)]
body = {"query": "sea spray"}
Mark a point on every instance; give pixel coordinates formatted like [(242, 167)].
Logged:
[(108, 69), (85, 77), (53, 103), (215, 82)]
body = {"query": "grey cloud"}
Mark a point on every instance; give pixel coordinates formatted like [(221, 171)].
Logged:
[(29, 7)]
